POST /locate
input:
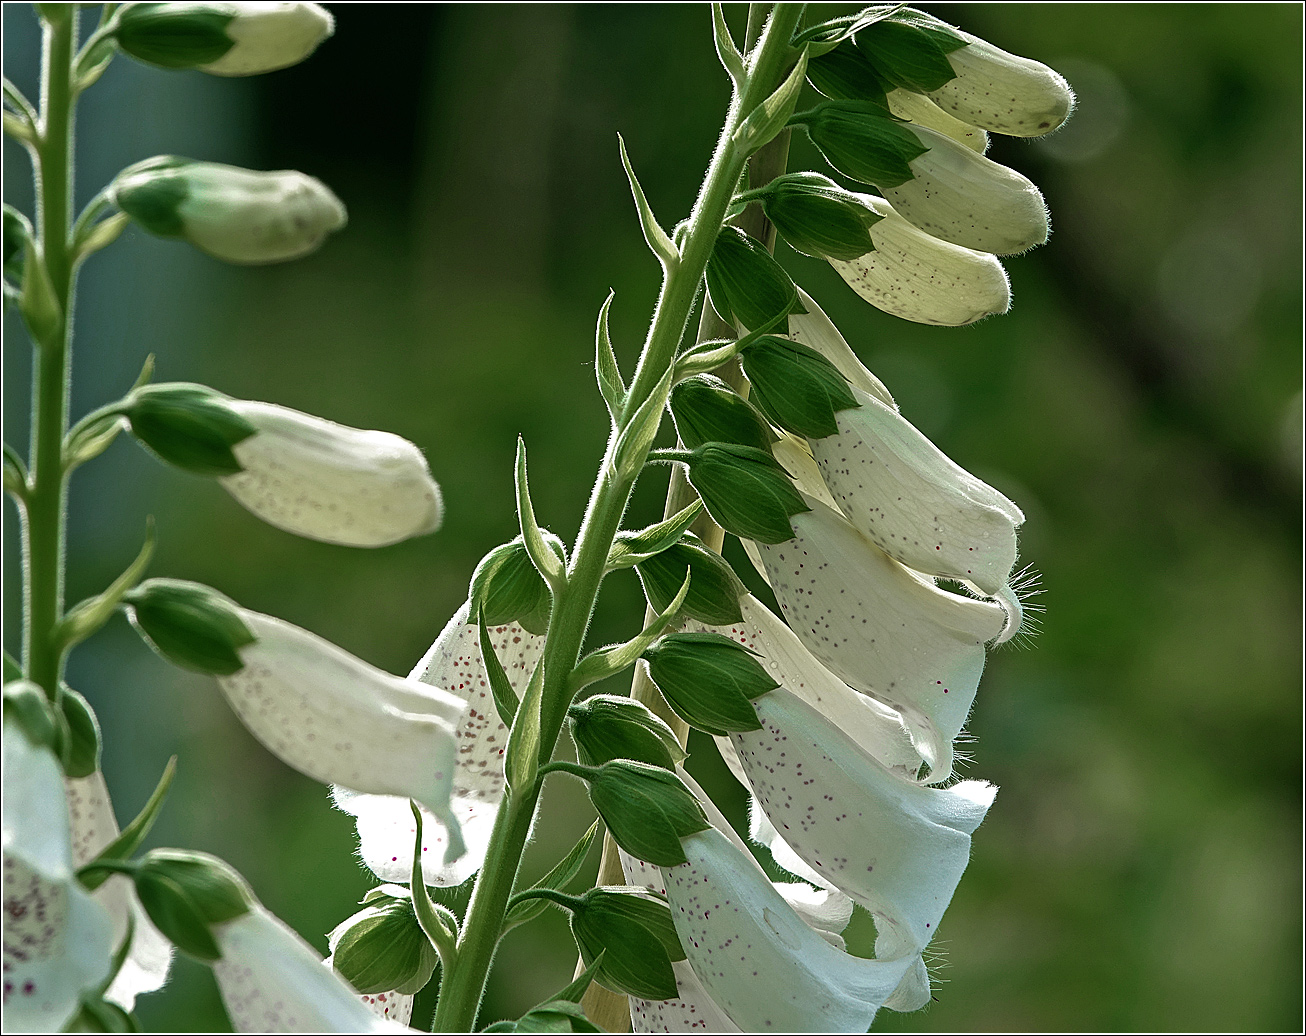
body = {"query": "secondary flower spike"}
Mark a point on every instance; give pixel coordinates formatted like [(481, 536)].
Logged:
[(237, 215)]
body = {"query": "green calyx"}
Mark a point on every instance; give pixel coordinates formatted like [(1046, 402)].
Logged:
[(709, 680), (910, 50), (846, 74), (189, 426), (747, 285), (796, 387), (174, 35), (862, 141), (186, 893), (506, 587), (152, 191), (636, 937), (706, 409), (607, 727), (189, 624), (746, 491), (818, 217), (383, 947), (714, 589)]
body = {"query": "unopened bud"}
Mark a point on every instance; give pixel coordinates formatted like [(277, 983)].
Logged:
[(506, 587), (607, 727), (818, 217), (237, 215), (747, 285), (745, 491), (383, 948), (189, 624), (224, 39)]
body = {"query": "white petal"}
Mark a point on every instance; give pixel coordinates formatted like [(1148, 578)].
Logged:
[(757, 959), (907, 497), (692, 1011), (269, 36), (1003, 92), (322, 480), (339, 720), (893, 846), (273, 981), (35, 807), (395, 1007), (817, 331), (883, 629), (93, 827), (921, 110), (918, 277), (962, 197)]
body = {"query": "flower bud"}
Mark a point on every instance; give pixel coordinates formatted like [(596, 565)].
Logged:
[(607, 727), (237, 215), (706, 409), (918, 277), (959, 196), (747, 285), (745, 491), (506, 587), (795, 386), (223, 39), (383, 948), (818, 217)]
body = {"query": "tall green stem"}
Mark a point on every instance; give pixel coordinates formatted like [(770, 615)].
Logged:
[(43, 553), (462, 988)]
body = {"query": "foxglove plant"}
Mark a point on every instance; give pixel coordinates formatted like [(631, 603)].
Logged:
[(891, 564)]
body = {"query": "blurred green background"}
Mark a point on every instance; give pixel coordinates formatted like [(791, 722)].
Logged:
[(1142, 402)]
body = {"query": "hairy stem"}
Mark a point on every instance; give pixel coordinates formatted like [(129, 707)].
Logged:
[(573, 605)]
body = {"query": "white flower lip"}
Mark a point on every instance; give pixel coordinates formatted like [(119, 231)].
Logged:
[(57, 939), (273, 981), (918, 277), (961, 197), (883, 629), (329, 482), (907, 497), (386, 831), (341, 721), (270, 36)]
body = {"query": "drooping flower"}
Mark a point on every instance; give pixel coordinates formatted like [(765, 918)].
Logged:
[(386, 830), (918, 277), (58, 940), (242, 216), (907, 497)]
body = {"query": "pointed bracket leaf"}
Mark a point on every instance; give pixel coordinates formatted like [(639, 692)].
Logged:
[(437, 922), (599, 665), (15, 474), (122, 847), (731, 59), (661, 245), (558, 878), (546, 562), (631, 548), (505, 698), (632, 446), (612, 388), (522, 756), (89, 615), (95, 432), (769, 117)]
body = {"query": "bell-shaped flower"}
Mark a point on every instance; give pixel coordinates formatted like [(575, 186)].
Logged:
[(882, 628), (242, 216), (58, 941), (273, 981), (94, 826), (222, 37), (316, 478), (341, 721), (918, 277), (817, 331), (896, 847), (959, 196), (921, 110), (907, 497), (386, 829)]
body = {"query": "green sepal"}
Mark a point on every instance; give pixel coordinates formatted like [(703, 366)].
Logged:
[(912, 56), (824, 36), (87, 616), (507, 587), (542, 552), (176, 915), (747, 285), (126, 844), (154, 202), (189, 624), (726, 50), (647, 809), (437, 922), (99, 1015), (746, 491), (636, 936), (554, 1015), (27, 705), (769, 117), (631, 548), (705, 357), (714, 589), (709, 680), (185, 893), (80, 753), (608, 374), (159, 34), (846, 74), (505, 698), (189, 426), (818, 217), (558, 879), (384, 948), (607, 726), (92, 62), (796, 387), (706, 409), (862, 141)]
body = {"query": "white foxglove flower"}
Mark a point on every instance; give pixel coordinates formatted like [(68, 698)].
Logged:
[(907, 497), (238, 215), (961, 197), (341, 721), (817, 331), (94, 826), (921, 110), (386, 830), (221, 37), (58, 941), (322, 480), (883, 629), (273, 981), (1003, 92), (918, 277)]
